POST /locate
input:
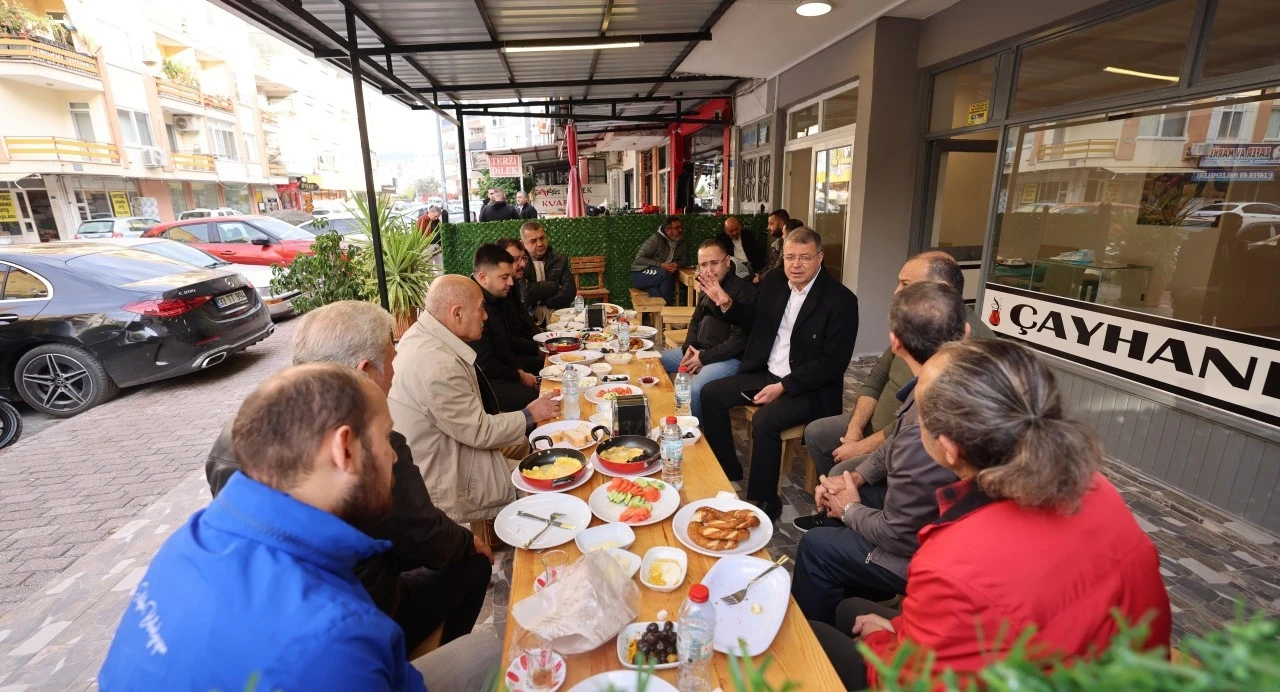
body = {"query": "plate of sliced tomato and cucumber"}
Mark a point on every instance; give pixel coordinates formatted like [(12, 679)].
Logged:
[(634, 501)]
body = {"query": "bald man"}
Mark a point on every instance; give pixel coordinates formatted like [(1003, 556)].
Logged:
[(745, 247), (443, 406)]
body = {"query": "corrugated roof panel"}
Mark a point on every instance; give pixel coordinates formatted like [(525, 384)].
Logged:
[(659, 16), (415, 21), (526, 19), (541, 67)]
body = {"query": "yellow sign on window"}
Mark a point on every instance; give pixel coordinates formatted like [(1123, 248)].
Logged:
[(120, 203), (978, 112), (1028, 194), (8, 208)]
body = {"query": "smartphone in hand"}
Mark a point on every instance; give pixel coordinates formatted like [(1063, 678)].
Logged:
[(750, 394)]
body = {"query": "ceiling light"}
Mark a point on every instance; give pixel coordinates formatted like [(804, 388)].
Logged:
[(583, 46), (1135, 73), (812, 8)]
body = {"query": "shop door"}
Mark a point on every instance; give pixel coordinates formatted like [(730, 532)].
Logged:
[(628, 184), (40, 215), (961, 175), (797, 189), (832, 175)]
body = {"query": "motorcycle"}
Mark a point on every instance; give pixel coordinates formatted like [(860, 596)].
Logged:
[(10, 423)]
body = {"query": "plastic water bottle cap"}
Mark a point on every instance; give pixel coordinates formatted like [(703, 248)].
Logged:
[(670, 420), (698, 593), (683, 369)]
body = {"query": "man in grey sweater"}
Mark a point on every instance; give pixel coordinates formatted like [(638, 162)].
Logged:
[(658, 259), (868, 556)]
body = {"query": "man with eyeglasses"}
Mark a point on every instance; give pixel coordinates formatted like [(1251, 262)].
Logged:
[(658, 260), (713, 344), (803, 326)]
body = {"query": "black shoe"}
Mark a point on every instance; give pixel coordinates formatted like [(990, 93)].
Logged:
[(772, 508), (733, 472), (811, 521)]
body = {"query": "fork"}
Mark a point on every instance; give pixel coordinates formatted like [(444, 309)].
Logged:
[(736, 597), (552, 520)]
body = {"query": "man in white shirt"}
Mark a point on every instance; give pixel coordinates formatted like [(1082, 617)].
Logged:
[(803, 327), (745, 247)]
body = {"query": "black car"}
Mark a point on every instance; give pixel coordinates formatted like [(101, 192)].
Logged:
[(80, 320)]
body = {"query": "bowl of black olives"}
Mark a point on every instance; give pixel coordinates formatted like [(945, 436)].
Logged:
[(653, 643)]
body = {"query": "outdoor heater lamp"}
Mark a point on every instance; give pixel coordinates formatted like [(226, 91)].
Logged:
[(810, 8)]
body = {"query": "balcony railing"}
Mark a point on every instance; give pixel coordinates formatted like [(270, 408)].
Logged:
[(269, 118), (221, 103), (184, 161), (278, 170), (14, 49), (1078, 149), (180, 92), (61, 149)]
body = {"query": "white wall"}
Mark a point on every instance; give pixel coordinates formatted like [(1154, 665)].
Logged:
[(34, 112)]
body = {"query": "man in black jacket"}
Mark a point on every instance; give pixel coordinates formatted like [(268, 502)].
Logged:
[(803, 328), (498, 209), (748, 252), (549, 284), (436, 572), (713, 345), (520, 325), (514, 387), (524, 206)]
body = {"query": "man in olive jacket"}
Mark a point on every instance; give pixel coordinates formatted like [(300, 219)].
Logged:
[(548, 284), (436, 573), (658, 260)]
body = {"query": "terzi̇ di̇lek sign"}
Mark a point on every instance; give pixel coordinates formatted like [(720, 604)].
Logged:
[(1233, 371)]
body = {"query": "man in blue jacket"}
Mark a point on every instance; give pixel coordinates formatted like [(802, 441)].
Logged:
[(257, 591)]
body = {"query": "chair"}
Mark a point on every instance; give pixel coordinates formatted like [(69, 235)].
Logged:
[(671, 316), (645, 304), (580, 266), (675, 337), (790, 437)]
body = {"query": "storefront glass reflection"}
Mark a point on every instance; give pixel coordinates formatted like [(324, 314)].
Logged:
[(833, 172), (1174, 213)]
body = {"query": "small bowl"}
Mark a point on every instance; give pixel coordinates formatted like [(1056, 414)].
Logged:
[(593, 538), (601, 368), (687, 421), (634, 631), (617, 358), (663, 552), (648, 381), (632, 560)]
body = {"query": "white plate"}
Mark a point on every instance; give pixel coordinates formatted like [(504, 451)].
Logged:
[(758, 539), (601, 368), (621, 681), (666, 505), (594, 394), (602, 418), (518, 480), (645, 344), (633, 560), (567, 326), (620, 535), (542, 338), (555, 372), (633, 631), (663, 552), (655, 433), (616, 311), (516, 530), (653, 468), (643, 331), (557, 426), (586, 357), (734, 622), (586, 383)]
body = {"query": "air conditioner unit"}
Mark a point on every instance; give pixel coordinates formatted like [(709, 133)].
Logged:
[(1198, 149), (185, 123), (152, 157)]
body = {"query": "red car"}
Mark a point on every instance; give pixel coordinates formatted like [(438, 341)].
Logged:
[(260, 240)]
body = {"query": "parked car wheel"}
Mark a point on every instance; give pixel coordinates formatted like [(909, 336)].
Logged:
[(62, 380), (10, 424)]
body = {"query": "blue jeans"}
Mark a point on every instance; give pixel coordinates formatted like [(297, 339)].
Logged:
[(709, 373), (657, 282)]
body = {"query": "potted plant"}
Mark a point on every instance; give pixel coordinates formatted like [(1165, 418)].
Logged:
[(177, 72), (406, 259)]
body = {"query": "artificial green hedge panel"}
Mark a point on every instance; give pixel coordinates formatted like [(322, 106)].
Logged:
[(615, 237)]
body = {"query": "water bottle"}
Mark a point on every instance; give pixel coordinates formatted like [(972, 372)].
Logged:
[(578, 306), (623, 330), (694, 641), (672, 454), (569, 405), (684, 392)]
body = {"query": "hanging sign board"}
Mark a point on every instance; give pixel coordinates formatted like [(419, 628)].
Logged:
[(553, 200), (1229, 370), (1028, 194), (978, 113), (8, 207), (505, 166), (1235, 155), (120, 203)]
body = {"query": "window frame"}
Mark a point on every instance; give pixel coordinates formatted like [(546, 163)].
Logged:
[(8, 269), (137, 129), (221, 135)]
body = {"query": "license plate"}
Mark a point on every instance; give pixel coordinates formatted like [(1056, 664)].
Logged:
[(230, 299)]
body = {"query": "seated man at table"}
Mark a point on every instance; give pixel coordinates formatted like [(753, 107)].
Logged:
[(747, 252), (712, 345), (257, 589), (444, 406), (802, 329), (520, 325), (431, 555), (548, 283), (658, 259), (869, 558), (514, 387), (838, 443)]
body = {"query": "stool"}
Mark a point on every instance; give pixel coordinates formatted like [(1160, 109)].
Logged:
[(790, 437), (674, 338), (674, 317), (645, 304)]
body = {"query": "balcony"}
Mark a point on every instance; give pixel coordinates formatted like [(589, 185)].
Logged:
[(1078, 149), (178, 92), (219, 103), (46, 64), (61, 149), (278, 170), (202, 163)]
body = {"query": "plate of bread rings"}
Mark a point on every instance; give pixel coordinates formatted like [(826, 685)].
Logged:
[(722, 526)]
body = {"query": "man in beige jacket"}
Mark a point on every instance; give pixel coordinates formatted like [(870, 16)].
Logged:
[(441, 403)]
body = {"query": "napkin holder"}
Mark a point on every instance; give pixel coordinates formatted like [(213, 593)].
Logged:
[(631, 415), (595, 316)]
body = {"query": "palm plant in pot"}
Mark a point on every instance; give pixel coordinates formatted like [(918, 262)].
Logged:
[(406, 258)]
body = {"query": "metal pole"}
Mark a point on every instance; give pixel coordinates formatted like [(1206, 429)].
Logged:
[(444, 174), (371, 194), (462, 168)]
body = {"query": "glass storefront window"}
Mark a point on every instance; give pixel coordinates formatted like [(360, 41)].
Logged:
[(747, 138), (1242, 38), (802, 122), (962, 95), (840, 110), (178, 198), (1174, 226), (206, 195), (238, 199), (1138, 52), (833, 173)]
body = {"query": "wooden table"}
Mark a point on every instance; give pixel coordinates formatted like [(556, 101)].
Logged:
[(797, 656), (688, 276)]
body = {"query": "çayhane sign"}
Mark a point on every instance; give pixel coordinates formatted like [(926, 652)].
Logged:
[(1232, 371)]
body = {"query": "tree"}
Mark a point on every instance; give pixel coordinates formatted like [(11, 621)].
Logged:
[(428, 186), (509, 185)]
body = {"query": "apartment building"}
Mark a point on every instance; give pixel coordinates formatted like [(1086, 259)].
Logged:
[(154, 107)]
